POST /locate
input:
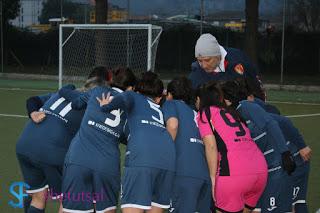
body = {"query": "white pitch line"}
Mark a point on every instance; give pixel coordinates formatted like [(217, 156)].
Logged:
[(50, 90), (13, 116), (302, 116), (21, 89), (297, 103)]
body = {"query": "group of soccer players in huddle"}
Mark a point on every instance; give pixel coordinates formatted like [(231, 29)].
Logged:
[(217, 148)]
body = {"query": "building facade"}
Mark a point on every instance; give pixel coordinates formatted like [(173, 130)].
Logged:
[(29, 13)]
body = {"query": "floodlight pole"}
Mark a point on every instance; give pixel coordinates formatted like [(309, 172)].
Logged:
[(149, 67), (61, 10), (201, 14), (85, 13), (60, 56), (128, 34), (128, 11), (283, 32), (1, 11)]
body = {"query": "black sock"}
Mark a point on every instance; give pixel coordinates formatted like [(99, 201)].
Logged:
[(33, 209), (26, 203)]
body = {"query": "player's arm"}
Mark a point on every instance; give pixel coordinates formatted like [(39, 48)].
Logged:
[(296, 138), (278, 138), (267, 107), (172, 125), (211, 151), (280, 144), (78, 99), (306, 153), (68, 92), (171, 118), (33, 104), (264, 121)]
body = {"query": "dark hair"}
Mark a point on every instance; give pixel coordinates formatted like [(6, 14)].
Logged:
[(234, 91), (181, 89), (150, 85), (123, 78), (98, 76), (100, 72), (211, 94), (255, 88)]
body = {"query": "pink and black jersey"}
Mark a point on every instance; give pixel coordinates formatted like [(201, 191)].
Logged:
[(238, 154)]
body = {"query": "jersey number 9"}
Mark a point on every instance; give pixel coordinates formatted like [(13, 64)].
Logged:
[(234, 124)]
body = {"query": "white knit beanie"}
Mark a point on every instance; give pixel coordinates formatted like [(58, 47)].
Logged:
[(207, 45)]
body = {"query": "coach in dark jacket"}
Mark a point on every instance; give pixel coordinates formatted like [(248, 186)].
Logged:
[(215, 62)]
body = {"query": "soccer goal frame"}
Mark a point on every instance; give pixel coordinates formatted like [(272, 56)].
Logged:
[(152, 40)]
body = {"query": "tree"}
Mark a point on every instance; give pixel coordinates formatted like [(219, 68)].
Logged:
[(101, 18), (10, 9), (101, 11), (52, 9), (307, 14), (251, 30)]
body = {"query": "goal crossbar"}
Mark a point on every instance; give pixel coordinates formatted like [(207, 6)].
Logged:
[(111, 26), (152, 39)]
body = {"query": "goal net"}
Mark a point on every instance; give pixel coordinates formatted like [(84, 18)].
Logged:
[(82, 47)]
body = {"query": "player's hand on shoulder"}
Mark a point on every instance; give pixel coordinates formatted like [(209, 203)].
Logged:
[(105, 99), (306, 153), (37, 117)]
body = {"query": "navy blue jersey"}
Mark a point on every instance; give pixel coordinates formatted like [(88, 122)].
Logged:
[(45, 97), (96, 145), (265, 131), (267, 107), (294, 139), (236, 64), (36, 102), (149, 143), (190, 154), (48, 141)]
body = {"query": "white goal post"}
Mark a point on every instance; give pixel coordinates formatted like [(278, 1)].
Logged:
[(84, 46)]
